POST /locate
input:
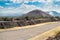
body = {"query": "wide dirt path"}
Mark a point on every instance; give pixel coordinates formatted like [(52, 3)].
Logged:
[(25, 34)]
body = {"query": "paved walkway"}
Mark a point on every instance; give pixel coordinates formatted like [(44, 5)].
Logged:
[(25, 34)]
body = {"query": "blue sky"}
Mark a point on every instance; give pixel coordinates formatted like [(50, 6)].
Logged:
[(18, 6), (14, 3)]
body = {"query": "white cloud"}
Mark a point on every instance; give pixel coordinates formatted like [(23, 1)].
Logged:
[(1, 7), (23, 9), (51, 13), (18, 1), (57, 9), (57, 0), (27, 8), (40, 0)]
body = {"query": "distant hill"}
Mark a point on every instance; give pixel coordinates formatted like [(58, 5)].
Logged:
[(37, 13), (54, 13)]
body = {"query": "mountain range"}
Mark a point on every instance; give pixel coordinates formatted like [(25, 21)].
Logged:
[(54, 13), (35, 12)]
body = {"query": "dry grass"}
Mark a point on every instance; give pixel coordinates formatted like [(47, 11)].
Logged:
[(47, 34)]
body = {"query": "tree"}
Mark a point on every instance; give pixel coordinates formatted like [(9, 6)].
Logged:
[(27, 18), (52, 18), (57, 17), (7, 19)]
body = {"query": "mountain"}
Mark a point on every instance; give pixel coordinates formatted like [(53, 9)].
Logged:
[(37, 13), (54, 13)]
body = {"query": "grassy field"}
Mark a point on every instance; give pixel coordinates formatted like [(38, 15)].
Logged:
[(47, 34)]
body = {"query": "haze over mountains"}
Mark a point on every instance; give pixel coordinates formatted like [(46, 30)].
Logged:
[(35, 12)]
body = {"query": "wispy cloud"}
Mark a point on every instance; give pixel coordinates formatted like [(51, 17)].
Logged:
[(24, 6), (22, 9)]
